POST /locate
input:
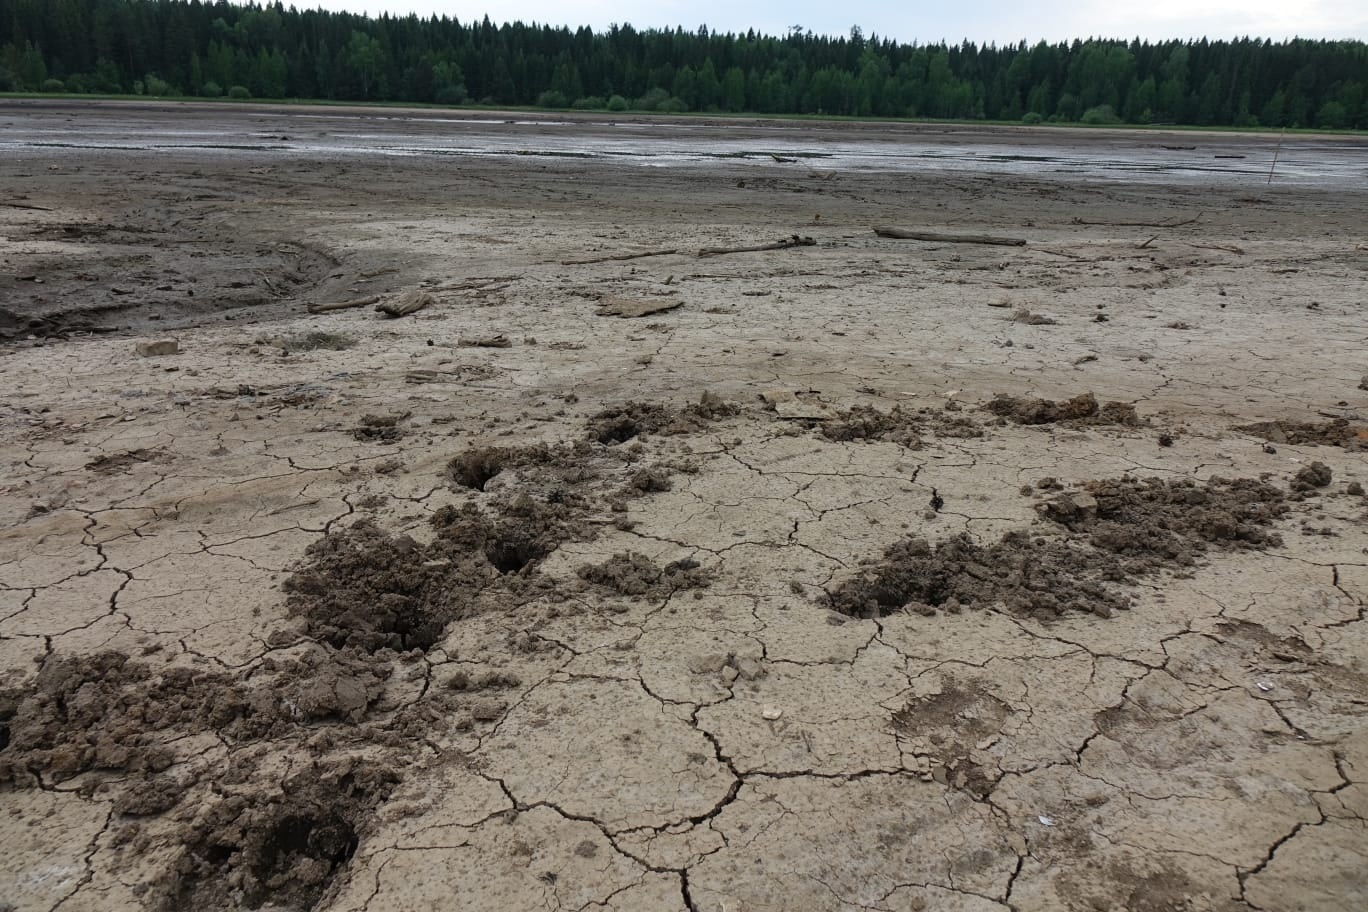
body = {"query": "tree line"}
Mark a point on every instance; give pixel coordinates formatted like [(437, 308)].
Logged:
[(212, 49)]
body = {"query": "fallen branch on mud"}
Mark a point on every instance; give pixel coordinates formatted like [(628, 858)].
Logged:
[(1168, 224), (411, 301), (785, 244), (904, 235), (343, 305), (620, 256), (26, 206)]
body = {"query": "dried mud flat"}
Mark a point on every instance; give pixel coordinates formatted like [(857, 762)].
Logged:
[(876, 574)]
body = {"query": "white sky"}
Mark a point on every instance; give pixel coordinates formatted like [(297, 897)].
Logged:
[(981, 21)]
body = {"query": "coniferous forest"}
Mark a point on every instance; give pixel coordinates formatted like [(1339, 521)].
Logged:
[(213, 49)]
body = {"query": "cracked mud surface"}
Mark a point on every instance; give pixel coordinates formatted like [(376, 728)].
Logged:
[(837, 587)]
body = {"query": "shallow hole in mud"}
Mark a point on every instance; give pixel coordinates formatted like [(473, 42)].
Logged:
[(514, 554), (477, 467), (329, 839)]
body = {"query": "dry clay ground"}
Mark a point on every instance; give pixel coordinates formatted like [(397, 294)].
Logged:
[(346, 613)]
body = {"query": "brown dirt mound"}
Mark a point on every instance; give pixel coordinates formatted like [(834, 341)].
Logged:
[(366, 589), (1336, 432), (634, 574), (105, 712), (1316, 475), (379, 428), (250, 849), (1080, 410), (905, 427), (1118, 531)]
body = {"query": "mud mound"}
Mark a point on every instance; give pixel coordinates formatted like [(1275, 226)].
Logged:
[(250, 849), (1117, 532), (900, 426), (1336, 432), (618, 425), (379, 428), (104, 712), (634, 574), (1316, 475), (1080, 410), (108, 713)]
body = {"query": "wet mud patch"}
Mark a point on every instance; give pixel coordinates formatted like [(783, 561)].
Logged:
[(906, 427), (282, 846), (1081, 410), (1337, 432), (634, 419), (1108, 536), (634, 574)]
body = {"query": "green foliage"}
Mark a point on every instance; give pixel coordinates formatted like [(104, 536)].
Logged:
[(552, 99), (53, 85), (239, 92), (1100, 115), (283, 50), (590, 103), (1031, 117)]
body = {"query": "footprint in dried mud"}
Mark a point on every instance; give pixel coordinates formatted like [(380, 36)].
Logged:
[(634, 574), (947, 727), (1080, 410), (1116, 532)]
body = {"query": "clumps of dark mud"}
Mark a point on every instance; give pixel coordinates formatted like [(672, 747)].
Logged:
[(906, 427), (476, 467), (282, 847), (1078, 411), (1336, 432), (109, 713), (365, 589), (379, 428), (1115, 533), (634, 574), (1316, 475), (634, 419)]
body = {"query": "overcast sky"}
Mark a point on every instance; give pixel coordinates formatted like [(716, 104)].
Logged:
[(980, 21)]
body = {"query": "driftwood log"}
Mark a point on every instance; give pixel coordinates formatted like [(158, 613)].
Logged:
[(411, 301), (903, 235), (785, 244), (343, 305), (1169, 224), (619, 256)]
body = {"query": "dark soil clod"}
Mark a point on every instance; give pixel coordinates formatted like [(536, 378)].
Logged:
[(1080, 410), (1118, 531), (634, 574), (1336, 432)]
